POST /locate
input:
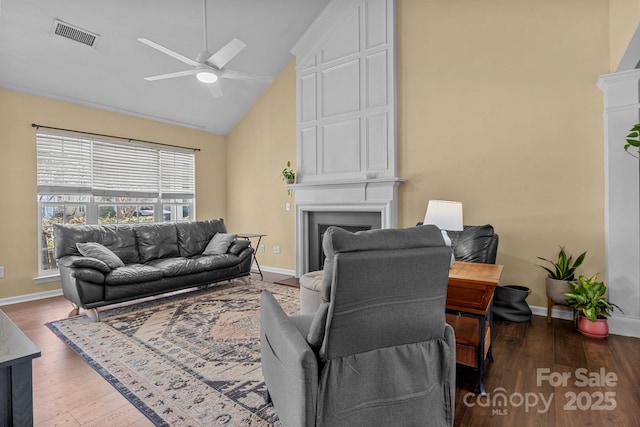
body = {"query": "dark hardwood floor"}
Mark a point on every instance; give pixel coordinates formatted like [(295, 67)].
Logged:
[(67, 392)]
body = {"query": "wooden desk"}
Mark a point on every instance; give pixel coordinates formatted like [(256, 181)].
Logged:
[(16, 384), (469, 297)]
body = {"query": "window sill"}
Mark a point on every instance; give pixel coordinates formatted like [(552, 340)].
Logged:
[(46, 278)]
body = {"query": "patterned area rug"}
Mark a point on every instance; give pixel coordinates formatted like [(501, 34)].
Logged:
[(191, 359)]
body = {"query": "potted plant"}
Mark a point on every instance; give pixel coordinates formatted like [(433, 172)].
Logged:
[(562, 272), (288, 175), (591, 308)]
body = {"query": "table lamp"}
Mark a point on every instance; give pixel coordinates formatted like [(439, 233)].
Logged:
[(445, 214)]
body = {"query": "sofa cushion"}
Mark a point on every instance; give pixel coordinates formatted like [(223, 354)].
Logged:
[(179, 266), (216, 262), (219, 244), (157, 241), (120, 239), (193, 236), (98, 251), (133, 273)]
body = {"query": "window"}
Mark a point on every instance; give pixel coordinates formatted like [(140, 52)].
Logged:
[(92, 181)]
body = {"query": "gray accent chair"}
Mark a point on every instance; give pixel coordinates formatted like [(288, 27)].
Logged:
[(378, 351)]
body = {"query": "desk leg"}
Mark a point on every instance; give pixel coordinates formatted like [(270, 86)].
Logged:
[(22, 394), (490, 352), (481, 332)]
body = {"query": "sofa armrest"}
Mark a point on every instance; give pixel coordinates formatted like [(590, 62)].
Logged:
[(289, 365), (238, 246), (68, 281)]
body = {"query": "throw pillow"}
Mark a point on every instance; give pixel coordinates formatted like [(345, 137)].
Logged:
[(96, 250), (219, 244)]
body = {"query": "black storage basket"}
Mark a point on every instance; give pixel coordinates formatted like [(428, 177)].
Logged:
[(509, 303)]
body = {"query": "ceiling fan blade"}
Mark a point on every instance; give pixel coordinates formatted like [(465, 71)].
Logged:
[(226, 53), (169, 52), (171, 75), (215, 89), (241, 75)]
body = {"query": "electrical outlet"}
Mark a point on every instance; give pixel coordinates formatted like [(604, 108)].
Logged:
[(287, 206), (262, 248), (276, 249), (1, 271)]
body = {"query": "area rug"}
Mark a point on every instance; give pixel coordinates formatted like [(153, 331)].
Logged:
[(191, 359)]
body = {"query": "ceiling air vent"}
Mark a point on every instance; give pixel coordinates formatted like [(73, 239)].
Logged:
[(72, 32)]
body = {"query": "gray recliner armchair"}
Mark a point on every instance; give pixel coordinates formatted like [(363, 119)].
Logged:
[(378, 351)]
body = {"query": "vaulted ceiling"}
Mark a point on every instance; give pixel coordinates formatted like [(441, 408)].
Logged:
[(110, 74)]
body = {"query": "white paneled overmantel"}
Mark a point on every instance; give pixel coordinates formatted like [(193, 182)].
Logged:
[(346, 114), (622, 199), (346, 93)]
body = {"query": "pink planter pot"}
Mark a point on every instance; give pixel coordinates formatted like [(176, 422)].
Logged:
[(597, 329)]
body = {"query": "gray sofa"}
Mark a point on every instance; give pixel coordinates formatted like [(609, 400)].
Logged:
[(131, 261)]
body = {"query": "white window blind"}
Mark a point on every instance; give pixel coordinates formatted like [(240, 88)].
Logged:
[(64, 165), (125, 170), (70, 165), (177, 175)]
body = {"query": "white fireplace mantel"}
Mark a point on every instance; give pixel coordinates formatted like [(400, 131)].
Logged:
[(367, 195)]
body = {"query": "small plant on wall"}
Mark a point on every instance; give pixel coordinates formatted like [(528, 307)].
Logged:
[(288, 176)]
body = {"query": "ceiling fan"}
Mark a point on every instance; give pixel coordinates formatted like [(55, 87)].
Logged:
[(207, 67)]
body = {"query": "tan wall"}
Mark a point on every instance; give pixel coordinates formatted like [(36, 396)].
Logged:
[(623, 20), (498, 108), (259, 148), (18, 216)]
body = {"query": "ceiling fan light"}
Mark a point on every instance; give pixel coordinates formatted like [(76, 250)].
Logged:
[(206, 76)]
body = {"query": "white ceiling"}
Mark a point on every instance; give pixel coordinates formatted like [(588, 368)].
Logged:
[(110, 75)]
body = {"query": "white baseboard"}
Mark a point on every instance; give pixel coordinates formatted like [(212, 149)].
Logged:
[(618, 325), (626, 326), (30, 297), (556, 313), (275, 270)]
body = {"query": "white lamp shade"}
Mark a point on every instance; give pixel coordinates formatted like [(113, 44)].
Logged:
[(445, 214)]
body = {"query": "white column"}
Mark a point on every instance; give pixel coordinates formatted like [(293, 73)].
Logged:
[(622, 200)]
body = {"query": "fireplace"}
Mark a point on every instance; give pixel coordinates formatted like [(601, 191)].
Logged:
[(364, 203), (320, 221)]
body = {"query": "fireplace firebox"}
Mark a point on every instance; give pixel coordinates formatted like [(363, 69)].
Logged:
[(350, 221)]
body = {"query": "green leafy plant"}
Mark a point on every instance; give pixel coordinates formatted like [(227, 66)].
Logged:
[(588, 298), (288, 173), (564, 268), (633, 139)]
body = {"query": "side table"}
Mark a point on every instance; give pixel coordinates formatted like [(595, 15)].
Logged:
[(469, 298), (16, 377), (250, 236)]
